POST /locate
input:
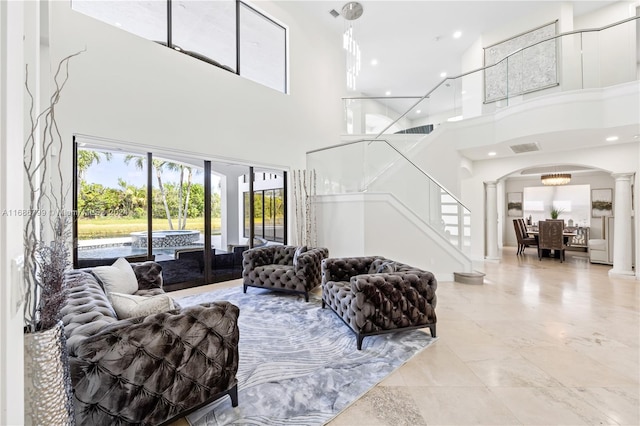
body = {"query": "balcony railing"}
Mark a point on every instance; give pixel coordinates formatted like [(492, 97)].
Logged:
[(582, 59), (377, 166)]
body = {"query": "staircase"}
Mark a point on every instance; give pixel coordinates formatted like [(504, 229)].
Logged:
[(375, 193)]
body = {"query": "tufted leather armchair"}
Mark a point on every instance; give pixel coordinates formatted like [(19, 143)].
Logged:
[(373, 302), (278, 268), (146, 370)]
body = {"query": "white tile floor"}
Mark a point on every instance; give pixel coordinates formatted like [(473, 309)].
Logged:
[(539, 343)]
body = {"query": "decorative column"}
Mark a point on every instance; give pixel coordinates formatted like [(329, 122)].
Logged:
[(491, 230), (622, 229)]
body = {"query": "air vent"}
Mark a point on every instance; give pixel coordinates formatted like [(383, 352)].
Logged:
[(525, 147), (334, 13)]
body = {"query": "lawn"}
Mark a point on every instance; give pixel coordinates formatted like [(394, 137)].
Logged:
[(113, 227)]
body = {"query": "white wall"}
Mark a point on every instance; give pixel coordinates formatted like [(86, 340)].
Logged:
[(12, 58), (378, 225), (131, 89), (591, 60)]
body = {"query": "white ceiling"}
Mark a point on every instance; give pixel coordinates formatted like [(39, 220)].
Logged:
[(413, 43), (413, 40)]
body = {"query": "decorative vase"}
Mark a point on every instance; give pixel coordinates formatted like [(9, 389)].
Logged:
[(48, 395)]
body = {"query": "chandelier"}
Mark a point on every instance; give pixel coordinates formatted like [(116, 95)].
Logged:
[(351, 11), (556, 179)]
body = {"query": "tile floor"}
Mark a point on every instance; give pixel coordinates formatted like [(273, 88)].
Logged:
[(539, 343)]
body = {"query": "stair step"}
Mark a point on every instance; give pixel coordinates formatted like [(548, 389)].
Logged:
[(469, 277)]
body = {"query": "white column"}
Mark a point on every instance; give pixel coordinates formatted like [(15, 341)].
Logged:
[(622, 230), (491, 230)]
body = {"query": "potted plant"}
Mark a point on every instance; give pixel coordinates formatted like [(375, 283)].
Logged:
[(48, 392), (556, 212)]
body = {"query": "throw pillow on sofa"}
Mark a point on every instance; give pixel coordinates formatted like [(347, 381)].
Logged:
[(386, 267), (131, 305), (149, 275), (118, 278), (297, 253)]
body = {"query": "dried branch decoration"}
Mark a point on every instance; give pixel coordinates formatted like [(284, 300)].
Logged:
[(45, 264), (304, 193)]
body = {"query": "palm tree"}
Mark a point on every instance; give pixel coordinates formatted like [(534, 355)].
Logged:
[(183, 193), (184, 188), (158, 166), (86, 158)]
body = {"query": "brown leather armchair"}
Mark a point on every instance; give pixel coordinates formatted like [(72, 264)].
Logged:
[(283, 268), (147, 370), (374, 295)]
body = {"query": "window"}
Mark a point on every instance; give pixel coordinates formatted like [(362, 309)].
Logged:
[(262, 57), (179, 212), (147, 19), (206, 27), (269, 207), (571, 200), (226, 33), (268, 214)]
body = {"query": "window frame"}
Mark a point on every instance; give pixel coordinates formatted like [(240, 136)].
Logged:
[(212, 61)]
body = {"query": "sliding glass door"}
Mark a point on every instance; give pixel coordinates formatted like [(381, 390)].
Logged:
[(269, 206), (111, 205), (188, 215)]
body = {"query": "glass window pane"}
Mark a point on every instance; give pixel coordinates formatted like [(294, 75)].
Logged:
[(247, 215), (207, 28), (279, 216), (262, 49), (178, 220), (147, 19), (269, 215), (258, 216), (112, 205)]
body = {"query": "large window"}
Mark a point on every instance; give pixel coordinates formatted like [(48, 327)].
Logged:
[(206, 27), (268, 207), (268, 214), (179, 212), (571, 200), (147, 19), (262, 57), (225, 33)]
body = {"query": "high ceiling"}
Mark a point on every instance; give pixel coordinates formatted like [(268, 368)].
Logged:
[(413, 41)]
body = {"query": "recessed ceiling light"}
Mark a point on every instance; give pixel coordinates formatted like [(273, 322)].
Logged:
[(464, 92), (374, 62), (387, 93), (454, 118), (457, 34), (612, 138), (418, 111), (118, 24), (492, 154), (443, 74), (636, 136)]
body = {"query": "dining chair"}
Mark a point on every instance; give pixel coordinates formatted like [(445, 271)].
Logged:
[(524, 240), (550, 237)]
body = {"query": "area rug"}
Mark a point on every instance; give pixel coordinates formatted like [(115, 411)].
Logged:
[(299, 364)]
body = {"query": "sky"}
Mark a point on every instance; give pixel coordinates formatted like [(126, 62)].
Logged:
[(108, 172)]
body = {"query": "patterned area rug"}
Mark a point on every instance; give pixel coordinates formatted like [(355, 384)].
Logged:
[(298, 362)]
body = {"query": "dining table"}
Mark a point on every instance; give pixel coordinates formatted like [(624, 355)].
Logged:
[(566, 233)]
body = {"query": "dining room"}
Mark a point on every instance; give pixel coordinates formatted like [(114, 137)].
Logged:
[(581, 199)]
